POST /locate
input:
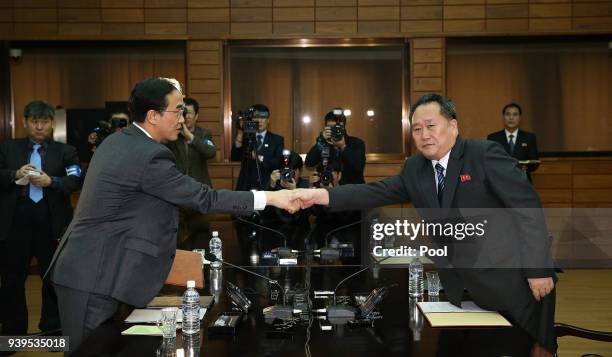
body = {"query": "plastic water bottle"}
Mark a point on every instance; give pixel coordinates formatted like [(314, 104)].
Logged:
[(415, 278), (214, 247), (191, 310)]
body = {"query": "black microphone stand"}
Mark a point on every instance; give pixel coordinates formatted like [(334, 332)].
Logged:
[(273, 312)]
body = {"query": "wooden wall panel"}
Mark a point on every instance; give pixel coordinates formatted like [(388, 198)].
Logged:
[(426, 67), (204, 69), (75, 77), (217, 19)]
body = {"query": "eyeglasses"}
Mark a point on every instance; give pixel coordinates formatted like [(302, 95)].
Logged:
[(179, 112)]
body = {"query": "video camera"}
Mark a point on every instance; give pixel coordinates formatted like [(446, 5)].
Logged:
[(287, 174), (107, 127), (246, 121)]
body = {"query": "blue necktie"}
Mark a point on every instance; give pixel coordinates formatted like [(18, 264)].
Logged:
[(440, 176), (36, 193), (259, 141)]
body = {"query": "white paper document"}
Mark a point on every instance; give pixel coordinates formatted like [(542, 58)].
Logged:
[(139, 316), (445, 306)]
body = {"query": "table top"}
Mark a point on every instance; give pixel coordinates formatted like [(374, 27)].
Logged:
[(401, 330)]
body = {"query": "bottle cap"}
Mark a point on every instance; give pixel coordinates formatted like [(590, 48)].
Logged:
[(215, 233), (190, 283)]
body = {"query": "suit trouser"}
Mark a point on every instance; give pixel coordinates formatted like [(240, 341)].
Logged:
[(30, 236), (82, 312)]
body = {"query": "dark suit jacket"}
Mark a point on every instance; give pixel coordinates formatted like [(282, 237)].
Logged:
[(122, 240), (525, 147), (516, 235), (352, 158), (272, 151), (56, 158), (193, 162)]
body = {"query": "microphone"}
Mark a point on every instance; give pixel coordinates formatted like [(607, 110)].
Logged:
[(277, 311), (333, 253), (283, 252), (343, 311)]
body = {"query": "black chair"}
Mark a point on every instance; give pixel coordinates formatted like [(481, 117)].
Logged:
[(562, 329)]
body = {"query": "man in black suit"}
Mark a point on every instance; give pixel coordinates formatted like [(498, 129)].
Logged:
[(451, 175), (349, 150), (120, 246), (266, 151), (34, 214), (519, 144)]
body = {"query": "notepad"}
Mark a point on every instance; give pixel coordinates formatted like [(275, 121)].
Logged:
[(142, 330), (445, 314), (140, 316)]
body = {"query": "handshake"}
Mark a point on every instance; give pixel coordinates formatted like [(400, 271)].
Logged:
[(294, 200)]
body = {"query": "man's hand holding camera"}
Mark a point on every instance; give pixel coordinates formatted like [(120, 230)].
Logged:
[(275, 180)]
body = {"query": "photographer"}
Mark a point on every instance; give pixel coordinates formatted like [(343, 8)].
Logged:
[(349, 150), (258, 149), (328, 174), (288, 177), (117, 122)]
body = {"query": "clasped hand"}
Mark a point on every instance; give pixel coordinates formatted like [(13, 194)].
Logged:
[(294, 200)]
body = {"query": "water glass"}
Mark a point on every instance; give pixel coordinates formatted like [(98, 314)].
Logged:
[(433, 283), (167, 322)]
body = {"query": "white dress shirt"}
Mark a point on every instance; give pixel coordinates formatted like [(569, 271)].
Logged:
[(444, 162)]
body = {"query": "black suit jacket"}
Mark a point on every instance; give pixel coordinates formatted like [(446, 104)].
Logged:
[(525, 147), (482, 177), (272, 152), (56, 158), (192, 160)]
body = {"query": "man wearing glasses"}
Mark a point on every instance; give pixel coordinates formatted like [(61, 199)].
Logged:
[(121, 244), (193, 148)]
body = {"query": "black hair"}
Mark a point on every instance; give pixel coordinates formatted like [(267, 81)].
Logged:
[(512, 105), (193, 102), (149, 94), (38, 109), (335, 117), (295, 161), (260, 111), (447, 107)]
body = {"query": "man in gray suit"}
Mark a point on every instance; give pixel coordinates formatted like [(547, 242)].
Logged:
[(450, 175), (121, 243)]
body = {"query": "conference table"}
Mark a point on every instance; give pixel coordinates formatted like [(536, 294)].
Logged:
[(399, 330)]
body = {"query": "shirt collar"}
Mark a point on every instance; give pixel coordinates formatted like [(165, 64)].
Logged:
[(443, 161), (144, 131), (44, 144), (263, 134), (515, 133)]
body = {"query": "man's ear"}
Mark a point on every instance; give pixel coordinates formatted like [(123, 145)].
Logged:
[(152, 117), (25, 124)]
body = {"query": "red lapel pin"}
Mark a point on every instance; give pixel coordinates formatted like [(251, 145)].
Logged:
[(465, 178)]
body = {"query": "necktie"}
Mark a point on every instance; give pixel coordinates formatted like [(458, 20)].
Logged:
[(36, 193), (511, 142), (259, 141), (440, 176)]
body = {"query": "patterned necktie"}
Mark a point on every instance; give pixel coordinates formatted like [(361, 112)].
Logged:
[(440, 176), (36, 193), (259, 141), (511, 142)]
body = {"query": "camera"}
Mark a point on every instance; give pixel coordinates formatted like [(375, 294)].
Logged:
[(286, 173), (325, 173), (337, 130), (106, 128), (247, 122)]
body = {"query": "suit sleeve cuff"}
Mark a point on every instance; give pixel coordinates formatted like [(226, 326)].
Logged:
[(260, 200)]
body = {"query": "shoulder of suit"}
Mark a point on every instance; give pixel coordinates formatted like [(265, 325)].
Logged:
[(527, 133), (355, 140), (275, 136), (496, 134)]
